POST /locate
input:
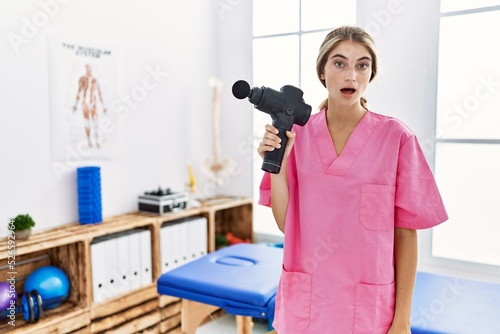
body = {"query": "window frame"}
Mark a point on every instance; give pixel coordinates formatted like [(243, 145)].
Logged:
[(443, 265)]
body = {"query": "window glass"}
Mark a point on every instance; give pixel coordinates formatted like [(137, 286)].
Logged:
[(272, 17), (469, 181), (455, 5), (321, 14), (469, 77), (276, 60)]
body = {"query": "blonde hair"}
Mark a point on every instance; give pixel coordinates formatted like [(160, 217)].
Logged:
[(334, 38)]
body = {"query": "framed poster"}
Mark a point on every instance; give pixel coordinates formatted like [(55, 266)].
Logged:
[(83, 90)]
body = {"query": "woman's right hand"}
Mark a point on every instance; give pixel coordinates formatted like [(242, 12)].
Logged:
[(271, 141)]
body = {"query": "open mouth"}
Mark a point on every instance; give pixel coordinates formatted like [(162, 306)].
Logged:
[(348, 91)]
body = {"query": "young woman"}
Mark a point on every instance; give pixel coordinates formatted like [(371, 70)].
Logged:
[(353, 188)]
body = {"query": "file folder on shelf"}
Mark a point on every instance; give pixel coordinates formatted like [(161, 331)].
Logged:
[(122, 263), (134, 250), (198, 237), (146, 259), (101, 249)]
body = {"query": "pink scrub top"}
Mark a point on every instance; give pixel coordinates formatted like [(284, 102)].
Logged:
[(338, 264)]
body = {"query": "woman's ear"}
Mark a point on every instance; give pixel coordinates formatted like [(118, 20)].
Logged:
[(322, 76)]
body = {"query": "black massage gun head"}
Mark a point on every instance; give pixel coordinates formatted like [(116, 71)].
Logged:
[(241, 89)]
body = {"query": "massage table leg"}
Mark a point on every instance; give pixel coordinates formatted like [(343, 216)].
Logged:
[(244, 324), (193, 314)]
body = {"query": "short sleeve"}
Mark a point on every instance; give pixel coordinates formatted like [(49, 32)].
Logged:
[(418, 202), (265, 190)]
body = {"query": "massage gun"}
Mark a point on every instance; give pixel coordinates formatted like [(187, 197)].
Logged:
[(286, 107)]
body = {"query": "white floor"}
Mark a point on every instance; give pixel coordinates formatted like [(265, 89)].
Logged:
[(227, 325)]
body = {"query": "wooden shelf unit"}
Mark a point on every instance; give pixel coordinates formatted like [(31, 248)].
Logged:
[(139, 311)]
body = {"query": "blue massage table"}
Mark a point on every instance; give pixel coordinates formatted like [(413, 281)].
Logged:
[(241, 279), (450, 305)]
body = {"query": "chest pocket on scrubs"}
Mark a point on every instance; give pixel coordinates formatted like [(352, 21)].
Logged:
[(377, 207)]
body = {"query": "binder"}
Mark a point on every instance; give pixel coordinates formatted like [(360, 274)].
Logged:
[(201, 237), (98, 271), (122, 253), (101, 249), (197, 237), (134, 247), (112, 271), (192, 239), (175, 244), (146, 260), (183, 242), (166, 249)]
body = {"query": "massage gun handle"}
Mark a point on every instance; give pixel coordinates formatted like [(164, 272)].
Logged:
[(273, 159)]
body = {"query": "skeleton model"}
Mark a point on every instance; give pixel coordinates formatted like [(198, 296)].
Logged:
[(216, 168)]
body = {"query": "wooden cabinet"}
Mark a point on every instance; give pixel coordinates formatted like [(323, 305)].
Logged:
[(139, 311)]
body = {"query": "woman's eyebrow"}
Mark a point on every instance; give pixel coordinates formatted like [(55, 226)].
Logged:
[(365, 58), (344, 57), (340, 56)]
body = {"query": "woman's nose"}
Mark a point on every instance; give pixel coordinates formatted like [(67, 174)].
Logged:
[(350, 75)]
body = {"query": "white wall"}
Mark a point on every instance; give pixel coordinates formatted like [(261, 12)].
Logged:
[(191, 40)]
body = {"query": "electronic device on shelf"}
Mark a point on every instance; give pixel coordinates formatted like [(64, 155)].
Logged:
[(162, 201)]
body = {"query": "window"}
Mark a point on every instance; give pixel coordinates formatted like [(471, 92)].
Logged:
[(468, 131), (287, 37)]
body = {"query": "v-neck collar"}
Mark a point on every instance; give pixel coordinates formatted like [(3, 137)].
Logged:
[(339, 165)]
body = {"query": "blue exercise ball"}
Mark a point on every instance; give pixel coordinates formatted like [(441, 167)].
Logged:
[(51, 283)]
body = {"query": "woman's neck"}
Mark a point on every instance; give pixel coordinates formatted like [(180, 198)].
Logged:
[(342, 115)]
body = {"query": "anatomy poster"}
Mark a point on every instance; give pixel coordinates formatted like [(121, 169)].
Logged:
[(83, 90)]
